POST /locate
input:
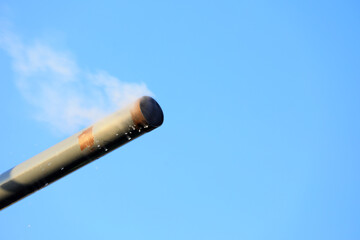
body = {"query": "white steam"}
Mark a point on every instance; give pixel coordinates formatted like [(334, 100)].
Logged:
[(63, 95)]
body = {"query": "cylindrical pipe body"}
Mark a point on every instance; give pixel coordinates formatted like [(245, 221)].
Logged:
[(74, 152)]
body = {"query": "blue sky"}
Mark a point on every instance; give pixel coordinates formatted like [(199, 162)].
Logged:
[(261, 134)]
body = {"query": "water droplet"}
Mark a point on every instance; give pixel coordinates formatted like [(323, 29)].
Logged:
[(117, 134), (129, 138), (62, 169), (126, 133), (98, 145), (130, 132), (133, 128), (106, 149), (146, 126), (139, 130), (46, 184)]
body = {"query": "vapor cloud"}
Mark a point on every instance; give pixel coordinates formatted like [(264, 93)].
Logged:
[(63, 95)]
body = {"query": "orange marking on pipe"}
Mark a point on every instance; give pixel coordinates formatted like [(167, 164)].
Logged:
[(86, 138)]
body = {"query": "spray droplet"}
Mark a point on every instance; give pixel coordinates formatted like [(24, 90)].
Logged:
[(133, 128), (46, 184), (106, 149), (28, 225), (139, 130), (62, 169), (117, 134), (98, 145), (126, 133), (146, 126), (129, 138)]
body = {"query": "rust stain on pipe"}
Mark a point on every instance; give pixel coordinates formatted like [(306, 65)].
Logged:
[(86, 138), (137, 116)]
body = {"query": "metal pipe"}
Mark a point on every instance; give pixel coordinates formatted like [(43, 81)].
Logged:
[(82, 148)]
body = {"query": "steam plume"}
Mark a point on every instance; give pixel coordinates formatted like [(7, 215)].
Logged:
[(63, 95)]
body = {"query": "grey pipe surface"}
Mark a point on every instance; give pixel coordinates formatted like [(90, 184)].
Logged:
[(74, 152)]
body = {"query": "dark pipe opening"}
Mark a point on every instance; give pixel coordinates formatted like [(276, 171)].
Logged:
[(151, 111)]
